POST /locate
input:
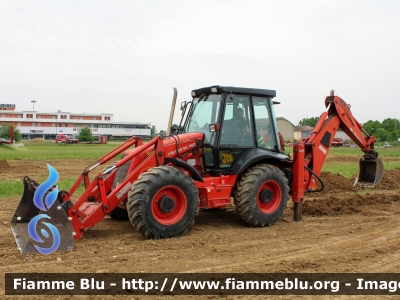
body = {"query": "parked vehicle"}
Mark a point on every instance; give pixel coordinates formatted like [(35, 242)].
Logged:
[(337, 142), (62, 138), (4, 141)]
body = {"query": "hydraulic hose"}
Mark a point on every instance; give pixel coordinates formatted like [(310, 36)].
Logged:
[(319, 179)]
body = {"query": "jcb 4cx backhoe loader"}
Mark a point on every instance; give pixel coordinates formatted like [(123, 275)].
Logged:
[(226, 146)]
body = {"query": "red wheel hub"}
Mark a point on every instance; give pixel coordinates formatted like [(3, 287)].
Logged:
[(169, 205), (269, 196)]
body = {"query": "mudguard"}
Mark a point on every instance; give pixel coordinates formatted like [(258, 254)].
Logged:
[(252, 156)]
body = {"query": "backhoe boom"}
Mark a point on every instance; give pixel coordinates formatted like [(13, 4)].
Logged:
[(309, 154)]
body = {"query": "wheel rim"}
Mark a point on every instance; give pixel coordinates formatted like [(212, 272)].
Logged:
[(269, 196), (169, 205)]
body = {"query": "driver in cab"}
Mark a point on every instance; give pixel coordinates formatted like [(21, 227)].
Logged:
[(241, 121), (244, 129)]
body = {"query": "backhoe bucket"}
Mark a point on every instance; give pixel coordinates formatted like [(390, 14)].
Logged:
[(371, 172), (40, 230)]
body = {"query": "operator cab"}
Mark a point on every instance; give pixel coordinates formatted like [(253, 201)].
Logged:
[(236, 122)]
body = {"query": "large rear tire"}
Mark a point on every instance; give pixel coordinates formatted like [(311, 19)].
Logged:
[(163, 203), (261, 195)]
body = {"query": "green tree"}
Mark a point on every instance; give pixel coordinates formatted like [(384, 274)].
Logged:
[(309, 121), (392, 126), (387, 131), (382, 135), (85, 135), (5, 132), (372, 126)]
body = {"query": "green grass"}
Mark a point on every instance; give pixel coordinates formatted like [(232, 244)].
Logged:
[(10, 188), (13, 188), (46, 151), (390, 152), (49, 150), (348, 170)]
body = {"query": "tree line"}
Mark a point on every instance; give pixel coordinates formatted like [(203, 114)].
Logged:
[(386, 131), (85, 135), (5, 132)]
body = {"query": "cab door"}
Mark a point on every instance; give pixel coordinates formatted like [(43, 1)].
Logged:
[(236, 133), (265, 124), (205, 111)]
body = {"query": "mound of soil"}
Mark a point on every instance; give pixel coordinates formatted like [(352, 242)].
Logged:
[(336, 183), (4, 164), (390, 181), (335, 206), (38, 140), (339, 198)]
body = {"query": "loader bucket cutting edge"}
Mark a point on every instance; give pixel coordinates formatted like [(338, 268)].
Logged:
[(55, 223), (371, 172)]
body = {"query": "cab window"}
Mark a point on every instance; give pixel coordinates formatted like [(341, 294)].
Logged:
[(265, 135), (205, 112), (236, 126)]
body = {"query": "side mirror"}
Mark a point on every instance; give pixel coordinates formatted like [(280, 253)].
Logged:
[(214, 127), (175, 129), (183, 107)]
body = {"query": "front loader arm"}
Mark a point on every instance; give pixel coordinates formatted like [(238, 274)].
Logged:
[(99, 199), (310, 153)]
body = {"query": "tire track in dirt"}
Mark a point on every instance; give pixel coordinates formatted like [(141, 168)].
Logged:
[(318, 249)]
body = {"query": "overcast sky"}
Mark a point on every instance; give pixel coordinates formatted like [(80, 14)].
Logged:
[(125, 57)]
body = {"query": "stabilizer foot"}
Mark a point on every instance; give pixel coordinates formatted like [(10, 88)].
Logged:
[(298, 211)]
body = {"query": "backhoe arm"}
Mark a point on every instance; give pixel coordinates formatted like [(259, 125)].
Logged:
[(350, 125), (309, 154)]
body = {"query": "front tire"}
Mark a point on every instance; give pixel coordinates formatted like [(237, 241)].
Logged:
[(261, 195), (163, 203)]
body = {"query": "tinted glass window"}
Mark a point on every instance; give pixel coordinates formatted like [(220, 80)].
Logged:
[(205, 112), (236, 126), (265, 135)]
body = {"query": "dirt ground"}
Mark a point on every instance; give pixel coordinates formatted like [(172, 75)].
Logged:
[(344, 229)]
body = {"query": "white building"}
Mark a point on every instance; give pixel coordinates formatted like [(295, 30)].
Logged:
[(33, 124)]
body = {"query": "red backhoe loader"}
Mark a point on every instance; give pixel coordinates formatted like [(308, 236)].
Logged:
[(218, 152)]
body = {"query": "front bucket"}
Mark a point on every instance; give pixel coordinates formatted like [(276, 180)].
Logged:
[(371, 172), (40, 230)]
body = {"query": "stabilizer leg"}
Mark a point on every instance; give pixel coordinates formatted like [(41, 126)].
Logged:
[(298, 211)]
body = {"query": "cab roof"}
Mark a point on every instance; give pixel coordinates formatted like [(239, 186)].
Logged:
[(217, 89)]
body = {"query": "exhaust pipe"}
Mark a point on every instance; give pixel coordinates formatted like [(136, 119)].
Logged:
[(43, 230), (171, 114)]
